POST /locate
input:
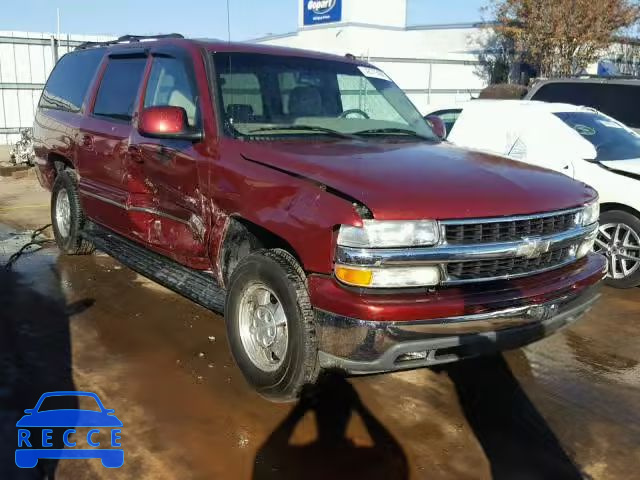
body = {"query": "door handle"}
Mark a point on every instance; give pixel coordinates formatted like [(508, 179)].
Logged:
[(135, 152)]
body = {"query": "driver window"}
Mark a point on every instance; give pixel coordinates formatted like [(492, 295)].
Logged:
[(358, 93), (170, 85)]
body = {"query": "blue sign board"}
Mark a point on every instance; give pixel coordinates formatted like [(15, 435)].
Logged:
[(321, 11)]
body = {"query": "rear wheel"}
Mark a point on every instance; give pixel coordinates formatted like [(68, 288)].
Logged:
[(67, 217), (619, 240), (270, 324)]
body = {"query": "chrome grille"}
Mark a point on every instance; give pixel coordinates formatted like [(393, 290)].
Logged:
[(505, 267), (488, 249), (510, 230)]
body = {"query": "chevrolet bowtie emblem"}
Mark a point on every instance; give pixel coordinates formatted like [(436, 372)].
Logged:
[(533, 247)]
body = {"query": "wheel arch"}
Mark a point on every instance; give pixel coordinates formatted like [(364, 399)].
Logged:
[(58, 162), (610, 206), (242, 237)]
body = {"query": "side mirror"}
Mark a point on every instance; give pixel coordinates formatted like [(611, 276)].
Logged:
[(437, 125), (28, 411), (167, 122)]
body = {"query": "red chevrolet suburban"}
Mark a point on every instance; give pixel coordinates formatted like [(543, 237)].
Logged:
[(305, 196)]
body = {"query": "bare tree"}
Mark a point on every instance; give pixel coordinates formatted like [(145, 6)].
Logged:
[(562, 37)]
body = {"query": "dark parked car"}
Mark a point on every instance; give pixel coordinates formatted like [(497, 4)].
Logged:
[(617, 97), (305, 195)]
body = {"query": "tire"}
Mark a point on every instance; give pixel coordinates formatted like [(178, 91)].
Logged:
[(67, 233), (607, 245), (280, 377)]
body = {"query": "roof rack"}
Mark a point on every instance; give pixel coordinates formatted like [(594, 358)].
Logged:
[(604, 77), (128, 39)]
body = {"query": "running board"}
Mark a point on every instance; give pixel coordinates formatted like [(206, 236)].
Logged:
[(196, 285)]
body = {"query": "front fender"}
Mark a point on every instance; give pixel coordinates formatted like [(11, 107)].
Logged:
[(297, 210)]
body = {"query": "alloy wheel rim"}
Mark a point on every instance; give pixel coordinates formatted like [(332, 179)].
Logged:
[(621, 245), (63, 213), (263, 327)]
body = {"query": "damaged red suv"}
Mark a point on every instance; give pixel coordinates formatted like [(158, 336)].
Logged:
[(305, 196)]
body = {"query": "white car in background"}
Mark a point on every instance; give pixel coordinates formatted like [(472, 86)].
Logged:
[(579, 142)]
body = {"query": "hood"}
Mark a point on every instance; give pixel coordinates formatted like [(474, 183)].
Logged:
[(628, 166), (402, 181)]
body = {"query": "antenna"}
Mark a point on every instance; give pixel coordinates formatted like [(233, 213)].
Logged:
[(228, 21)]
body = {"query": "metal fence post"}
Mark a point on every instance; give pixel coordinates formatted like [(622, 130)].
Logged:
[(429, 85)]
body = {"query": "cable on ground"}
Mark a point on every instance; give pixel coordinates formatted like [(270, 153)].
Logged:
[(26, 248)]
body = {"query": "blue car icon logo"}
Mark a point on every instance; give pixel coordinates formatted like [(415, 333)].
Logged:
[(51, 423)]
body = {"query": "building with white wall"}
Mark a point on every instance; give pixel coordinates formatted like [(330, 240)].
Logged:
[(434, 64), (26, 59)]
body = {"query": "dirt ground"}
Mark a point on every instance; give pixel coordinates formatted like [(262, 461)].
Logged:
[(565, 407)]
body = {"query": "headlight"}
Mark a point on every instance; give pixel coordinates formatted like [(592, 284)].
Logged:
[(375, 234), (589, 214), (390, 277)]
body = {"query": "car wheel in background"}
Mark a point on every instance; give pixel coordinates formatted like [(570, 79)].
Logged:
[(270, 324), (619, 240), (67, 217)]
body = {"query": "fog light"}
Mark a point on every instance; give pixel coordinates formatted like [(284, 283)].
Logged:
[(585, 247), (398, 277)]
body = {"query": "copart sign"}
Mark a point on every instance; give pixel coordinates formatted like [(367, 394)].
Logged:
[(321, 11)]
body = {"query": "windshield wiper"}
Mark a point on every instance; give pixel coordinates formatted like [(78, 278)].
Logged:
[(305, 128), (402, 131)]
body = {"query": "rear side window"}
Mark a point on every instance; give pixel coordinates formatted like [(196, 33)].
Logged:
[(119, 88), (616, 100), (69, 82)]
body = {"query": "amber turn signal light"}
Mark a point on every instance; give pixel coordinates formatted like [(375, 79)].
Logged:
[(354, 276)]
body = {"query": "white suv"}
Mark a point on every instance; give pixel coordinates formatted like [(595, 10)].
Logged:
[(580, 142)]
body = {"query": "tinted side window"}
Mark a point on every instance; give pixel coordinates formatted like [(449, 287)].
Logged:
[(171, 85), (587, 94), (617, 101), (70, 79), (119, 88), (621, 102)]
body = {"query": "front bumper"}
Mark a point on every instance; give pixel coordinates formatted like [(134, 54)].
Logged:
[(361, 347)]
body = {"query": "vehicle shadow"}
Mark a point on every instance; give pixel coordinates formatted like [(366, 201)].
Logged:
[(332, 455), (516, 439), (35, 357)]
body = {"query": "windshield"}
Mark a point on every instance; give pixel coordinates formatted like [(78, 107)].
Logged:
[(296, 96), (62, 402), (612, 140)]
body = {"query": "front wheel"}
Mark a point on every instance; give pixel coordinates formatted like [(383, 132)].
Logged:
[(619, 240), (270, 324)]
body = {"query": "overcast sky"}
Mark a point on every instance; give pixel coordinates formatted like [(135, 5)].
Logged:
[(196, 18)]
